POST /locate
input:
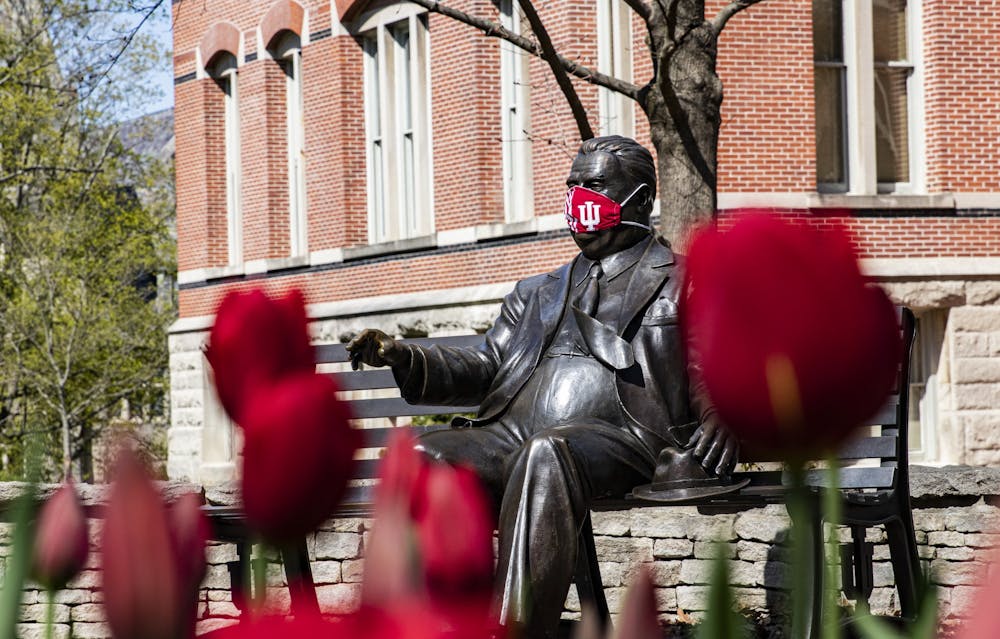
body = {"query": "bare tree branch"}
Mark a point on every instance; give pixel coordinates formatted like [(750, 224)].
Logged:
[(494, 30), (641, 8), (550, 55), (728, 11)]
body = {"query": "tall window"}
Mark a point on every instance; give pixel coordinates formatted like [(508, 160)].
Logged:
[(925, 384), (288, 52), (614, 58), (397, 126), (515, 111), (868, 95), (226, 78)]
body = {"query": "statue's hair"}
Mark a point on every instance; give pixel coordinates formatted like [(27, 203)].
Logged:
[(634, 158)]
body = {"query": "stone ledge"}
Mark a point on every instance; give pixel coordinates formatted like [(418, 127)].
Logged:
[(90, 494), (930, 482)]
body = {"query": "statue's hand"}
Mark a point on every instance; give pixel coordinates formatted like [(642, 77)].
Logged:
[(375, 348), (715, 446)]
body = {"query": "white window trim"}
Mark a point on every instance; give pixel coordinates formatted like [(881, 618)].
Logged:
[(515, 121), (289, 51), (862, 172), (396, 221), (614, 58)]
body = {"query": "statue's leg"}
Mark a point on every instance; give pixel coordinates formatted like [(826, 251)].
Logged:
[(551, 482), (485, 449)]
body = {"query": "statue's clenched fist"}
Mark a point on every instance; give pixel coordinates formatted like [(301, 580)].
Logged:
[(375, 348)]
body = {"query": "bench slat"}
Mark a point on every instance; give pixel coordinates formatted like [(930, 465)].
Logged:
[(397, 406), (379, 437), (363, 380), (337, 353)]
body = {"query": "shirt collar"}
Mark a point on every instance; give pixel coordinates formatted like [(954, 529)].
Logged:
[(614, 264)]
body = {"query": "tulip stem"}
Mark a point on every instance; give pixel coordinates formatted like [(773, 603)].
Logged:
[(802, 562), (18, 563), (50, 614), (832, 514)]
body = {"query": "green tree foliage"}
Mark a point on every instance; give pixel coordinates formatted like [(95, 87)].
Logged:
[(85, 234)]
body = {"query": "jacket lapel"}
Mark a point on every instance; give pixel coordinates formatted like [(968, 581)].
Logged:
[(652, 270)]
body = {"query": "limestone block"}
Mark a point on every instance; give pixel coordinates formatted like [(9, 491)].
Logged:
[(339, 598), (977, 396), (983, 457), (352, 570), (883, 601), (672, 548), (994, 343), (946, 538), (982, 540), (216, 577), (882, 574), (37, 612), (973, 319), (954, 573), (982, 430), (711, 549), (218, 553), (624, 549), (927, 294), (187, 342), (756, 599), (929, 519), (666, 599), (613, 573), (219, 595), (665, 523), (663, 573), (696, 571), (572, 599), (352, 525), (881, 553), (955, 554), (752, 550), (72, 596), (615, 597), (329, 572), (758, 526), (962, 600), (976, 519), (982, 292), (614, 523), (337, 545), (746, 573), (86, 580), (222, 609), (972, 345), (927, 552), (187, 380), (976, 369), (692, 597), (190, 398), (39, 631), (775, 574), (279, 601), (204, 626)]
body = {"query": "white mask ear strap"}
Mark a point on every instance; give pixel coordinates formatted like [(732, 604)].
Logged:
[(625, 201), (632, 194)]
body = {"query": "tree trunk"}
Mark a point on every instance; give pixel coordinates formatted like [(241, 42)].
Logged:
[(682, 104)]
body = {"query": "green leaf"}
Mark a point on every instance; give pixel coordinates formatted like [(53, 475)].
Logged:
[(18, 563), (721, 619)]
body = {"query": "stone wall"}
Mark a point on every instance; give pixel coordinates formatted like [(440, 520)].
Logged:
[(957, 517)]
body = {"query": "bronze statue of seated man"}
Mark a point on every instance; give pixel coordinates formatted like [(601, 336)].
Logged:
[(582, 384)]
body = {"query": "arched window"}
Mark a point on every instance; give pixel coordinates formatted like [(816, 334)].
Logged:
[(287, 50), (515, 123), (223, 70), (397, 122)]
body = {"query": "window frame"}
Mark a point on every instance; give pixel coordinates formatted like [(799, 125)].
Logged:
[(859, 103), (224, 71), (515, 120), (398, 176), (287, 51), (614, 58)]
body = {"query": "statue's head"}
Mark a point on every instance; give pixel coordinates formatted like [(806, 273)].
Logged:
[(612, 168)]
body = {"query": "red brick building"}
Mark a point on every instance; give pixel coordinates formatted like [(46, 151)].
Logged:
[(404, 170)]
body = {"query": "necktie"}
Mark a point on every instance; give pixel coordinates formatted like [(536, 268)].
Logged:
[(591, 290)]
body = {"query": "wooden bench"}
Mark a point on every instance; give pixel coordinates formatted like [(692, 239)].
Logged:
[(874, 485)]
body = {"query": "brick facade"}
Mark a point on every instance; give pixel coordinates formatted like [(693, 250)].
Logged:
[(935, 247)]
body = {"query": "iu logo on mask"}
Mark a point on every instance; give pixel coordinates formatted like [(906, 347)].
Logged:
[(590, 215)]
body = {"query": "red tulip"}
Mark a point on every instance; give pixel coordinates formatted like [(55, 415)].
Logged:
[(297, 456), (257, 340), (269, 627), (150, 588), (61, 543), (402, 472), (794, 347), (456, 535), (985, 613), (638, 619)]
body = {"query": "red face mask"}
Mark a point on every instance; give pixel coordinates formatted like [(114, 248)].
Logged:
[(588, 211)]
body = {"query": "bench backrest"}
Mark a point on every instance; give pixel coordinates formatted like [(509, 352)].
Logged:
[(876, 460)]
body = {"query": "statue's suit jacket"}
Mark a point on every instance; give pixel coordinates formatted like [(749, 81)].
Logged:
[(655, 392)]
